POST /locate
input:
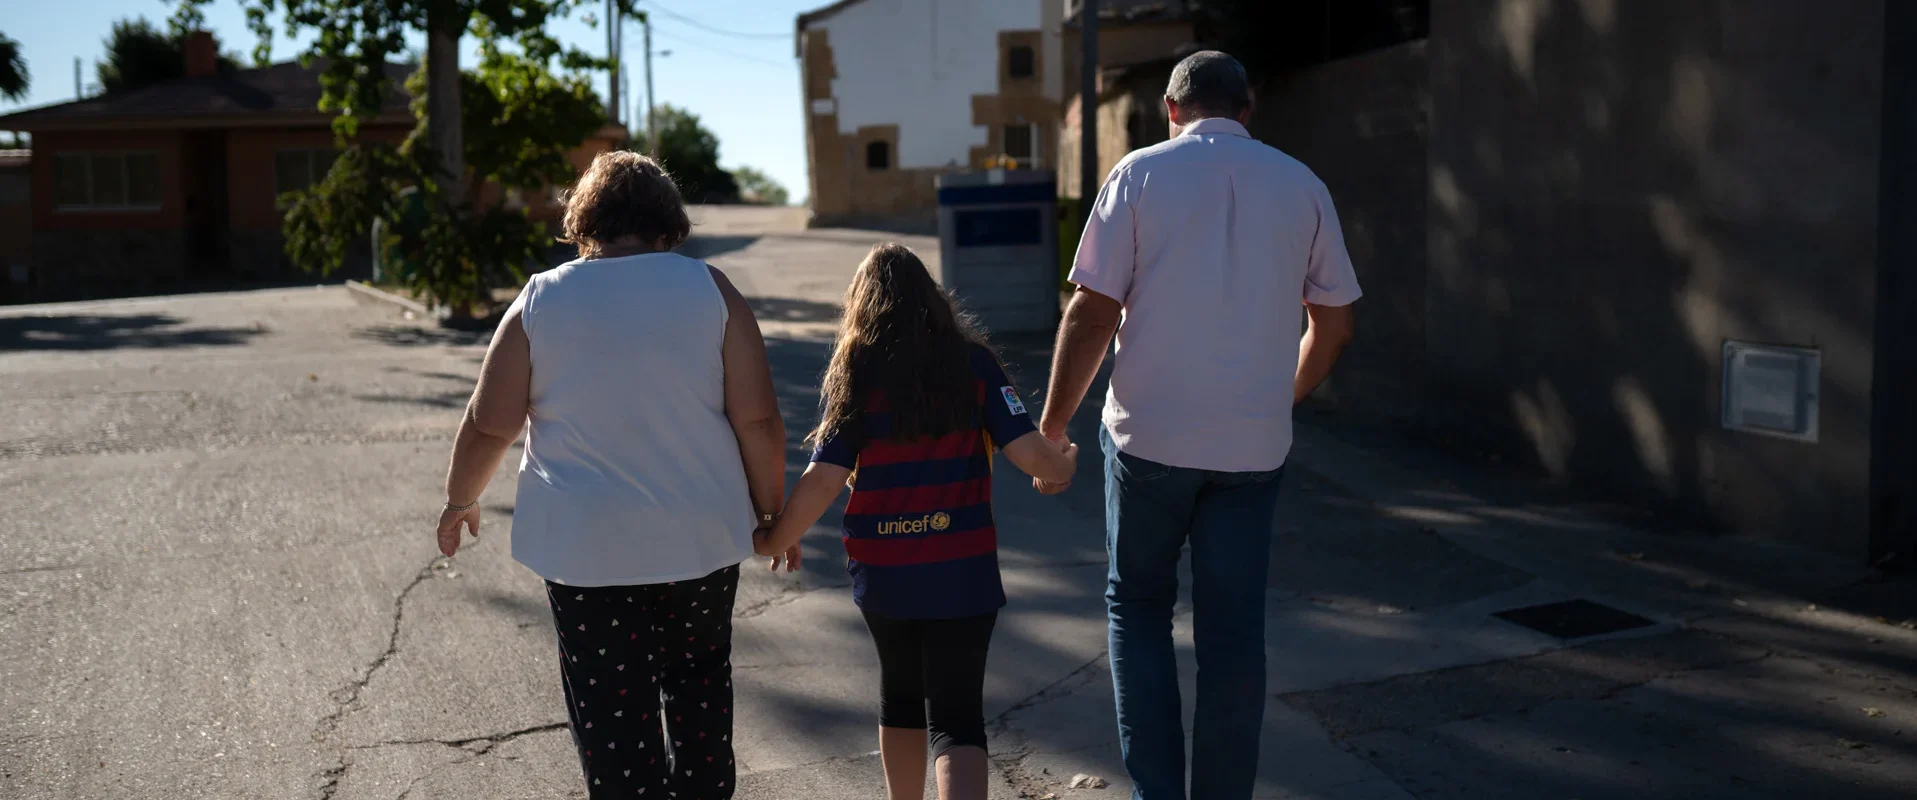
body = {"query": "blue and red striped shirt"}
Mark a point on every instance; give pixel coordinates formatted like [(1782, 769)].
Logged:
[(919, 538)]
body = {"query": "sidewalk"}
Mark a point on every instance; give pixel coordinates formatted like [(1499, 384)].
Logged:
[(1389, 676), (1756, 672)]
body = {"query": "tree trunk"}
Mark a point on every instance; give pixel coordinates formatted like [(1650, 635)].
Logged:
[(442, 98), (444, 24)]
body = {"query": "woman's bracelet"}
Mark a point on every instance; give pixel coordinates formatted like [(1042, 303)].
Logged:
[(451, 507)]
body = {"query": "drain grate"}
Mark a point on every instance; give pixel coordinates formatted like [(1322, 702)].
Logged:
[(1574, 619)]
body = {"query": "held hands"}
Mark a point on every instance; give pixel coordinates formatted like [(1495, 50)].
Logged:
[(789, 558), (1071, 452)]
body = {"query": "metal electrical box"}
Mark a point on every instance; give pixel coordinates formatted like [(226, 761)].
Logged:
[(1771, 390), (998, 246)]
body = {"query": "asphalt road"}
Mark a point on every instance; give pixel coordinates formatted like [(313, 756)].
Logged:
[(218, 580), (217, 577)]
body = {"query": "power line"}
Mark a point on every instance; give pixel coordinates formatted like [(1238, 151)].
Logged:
[(710, 29), (722, 51)]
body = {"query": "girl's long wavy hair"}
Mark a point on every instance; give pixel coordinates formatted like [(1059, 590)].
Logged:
[(902, 339)]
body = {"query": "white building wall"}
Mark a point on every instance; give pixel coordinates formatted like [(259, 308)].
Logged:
[(917, 63)]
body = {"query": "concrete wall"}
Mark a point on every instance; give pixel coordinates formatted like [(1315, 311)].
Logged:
[(1894, 415), (1360, 124), (926, 79), (1615, 189), (916, 64)]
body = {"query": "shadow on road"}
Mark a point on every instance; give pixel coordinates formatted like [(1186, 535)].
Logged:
[(787, 309), (412, 336), (705, 247), (108, 332)]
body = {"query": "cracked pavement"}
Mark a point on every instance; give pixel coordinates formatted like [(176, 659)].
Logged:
[(218, 579)]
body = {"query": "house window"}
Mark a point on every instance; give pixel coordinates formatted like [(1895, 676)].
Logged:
[(1020, 142), (107, 180), (878, 156), (294, 170), (1020, 62)]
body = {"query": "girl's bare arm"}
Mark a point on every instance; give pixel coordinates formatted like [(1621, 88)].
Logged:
[(1040, 458), (817, 488)]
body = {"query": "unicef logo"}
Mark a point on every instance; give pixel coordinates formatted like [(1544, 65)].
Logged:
[(941, 521)]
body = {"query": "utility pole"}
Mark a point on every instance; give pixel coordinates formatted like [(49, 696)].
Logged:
[(77, 94), (612, 55), (652, 108), (1088, 177)]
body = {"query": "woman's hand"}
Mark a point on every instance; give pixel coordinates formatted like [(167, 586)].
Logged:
[(762, 542), (449, 522)]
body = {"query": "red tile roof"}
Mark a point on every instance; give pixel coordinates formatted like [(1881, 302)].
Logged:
[(279, 91)]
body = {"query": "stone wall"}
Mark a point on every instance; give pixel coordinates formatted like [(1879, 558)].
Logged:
[(1615, 190), (1360, 124)]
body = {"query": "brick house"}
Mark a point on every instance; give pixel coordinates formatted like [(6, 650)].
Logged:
[(16, 220), (178, 182)]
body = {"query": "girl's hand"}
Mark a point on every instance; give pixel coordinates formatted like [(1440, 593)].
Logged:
[(789, 559), (449, 522)]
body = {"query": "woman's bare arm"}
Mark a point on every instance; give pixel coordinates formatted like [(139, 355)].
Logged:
[(494, 418), (752, 407)]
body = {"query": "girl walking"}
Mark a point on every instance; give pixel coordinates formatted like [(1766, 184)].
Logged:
[(915, 403)]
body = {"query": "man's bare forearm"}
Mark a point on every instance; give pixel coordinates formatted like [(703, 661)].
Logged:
[(1083, 336), (1325, 339)]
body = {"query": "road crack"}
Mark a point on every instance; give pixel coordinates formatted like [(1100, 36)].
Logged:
[(346, 698), (1010, 747), (792, 593), (476, 745)]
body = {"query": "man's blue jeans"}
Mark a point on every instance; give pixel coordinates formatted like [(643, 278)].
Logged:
[(1151, 510)]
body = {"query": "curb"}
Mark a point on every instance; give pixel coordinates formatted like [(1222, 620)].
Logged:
[(369, 292)]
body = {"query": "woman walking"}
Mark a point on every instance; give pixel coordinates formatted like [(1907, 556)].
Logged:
[(654, 451)]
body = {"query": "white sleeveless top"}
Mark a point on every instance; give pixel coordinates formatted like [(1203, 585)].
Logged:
[(632, 474)]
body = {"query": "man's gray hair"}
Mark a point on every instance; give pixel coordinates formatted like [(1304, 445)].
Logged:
[(1210, 84)]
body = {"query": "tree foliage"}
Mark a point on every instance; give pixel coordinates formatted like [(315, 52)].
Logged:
[(691, 153), (518, 121), (14, 77), (140, 55), (758, 187)]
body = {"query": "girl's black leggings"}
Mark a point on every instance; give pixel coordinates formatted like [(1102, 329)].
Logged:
[(932, 676)]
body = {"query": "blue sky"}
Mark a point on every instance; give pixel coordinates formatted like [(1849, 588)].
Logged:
[(731, 62)]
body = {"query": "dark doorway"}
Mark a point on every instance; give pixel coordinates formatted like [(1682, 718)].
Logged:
[(209, 251)]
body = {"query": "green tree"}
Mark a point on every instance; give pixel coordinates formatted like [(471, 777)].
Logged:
[(14, 77), (140, 55), (460, 249), (691, 153), (758, 187)]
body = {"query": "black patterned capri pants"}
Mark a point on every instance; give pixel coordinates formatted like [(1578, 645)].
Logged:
[(648, 678)]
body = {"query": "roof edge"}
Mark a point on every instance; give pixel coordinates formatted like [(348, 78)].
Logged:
[(813, 16)]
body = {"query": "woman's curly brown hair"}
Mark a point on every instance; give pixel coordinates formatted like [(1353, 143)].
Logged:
[(624, 194)]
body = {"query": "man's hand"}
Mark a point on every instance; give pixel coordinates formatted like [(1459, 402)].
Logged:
[(1071, 451)]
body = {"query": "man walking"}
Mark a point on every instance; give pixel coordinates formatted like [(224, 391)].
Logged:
[(1201, 255)]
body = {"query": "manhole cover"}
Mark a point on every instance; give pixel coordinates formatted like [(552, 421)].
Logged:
[(1574, 619)]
